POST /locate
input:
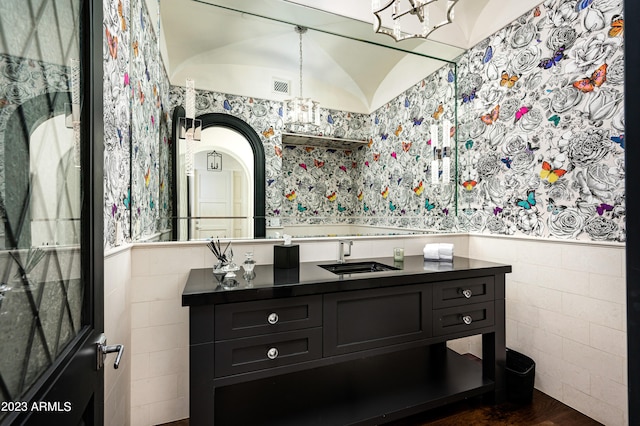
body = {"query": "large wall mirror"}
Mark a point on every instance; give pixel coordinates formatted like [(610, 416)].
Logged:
[(245, 59), (513, 100)]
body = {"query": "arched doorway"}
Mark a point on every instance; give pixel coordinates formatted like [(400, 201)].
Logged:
[(181, 186)]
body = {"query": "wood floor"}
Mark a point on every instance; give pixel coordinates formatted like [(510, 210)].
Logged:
[(543, 411)]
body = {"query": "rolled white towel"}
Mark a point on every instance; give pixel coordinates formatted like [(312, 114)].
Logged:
[(441, 251), (430, 252), (445, 250)]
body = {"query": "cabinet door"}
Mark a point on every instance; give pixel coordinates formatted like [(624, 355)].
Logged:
[(368, 319)]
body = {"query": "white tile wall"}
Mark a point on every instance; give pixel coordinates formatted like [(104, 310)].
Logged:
[(585, 403), (160, 330), (566, 309), (117, 328)]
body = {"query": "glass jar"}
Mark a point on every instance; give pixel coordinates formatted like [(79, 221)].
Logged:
[(248, 263), (219, 271)]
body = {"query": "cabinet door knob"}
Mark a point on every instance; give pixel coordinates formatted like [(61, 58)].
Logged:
[(467, 319), (272, 353), (467, 293), (273, 318)]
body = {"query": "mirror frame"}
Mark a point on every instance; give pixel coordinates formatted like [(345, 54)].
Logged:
[(216, 119)]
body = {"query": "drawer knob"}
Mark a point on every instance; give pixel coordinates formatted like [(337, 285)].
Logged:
[(272, 353), (467, 319), (273, 318), (467, 293)]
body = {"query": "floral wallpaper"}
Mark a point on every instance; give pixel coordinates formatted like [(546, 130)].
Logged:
[(284, 162), (383, 183), (117, 89), (541, 125), (321, 183), (395, 187), (146, 111), (137, 160)]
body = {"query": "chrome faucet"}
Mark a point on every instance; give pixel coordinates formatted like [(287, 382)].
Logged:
[(341, 253)]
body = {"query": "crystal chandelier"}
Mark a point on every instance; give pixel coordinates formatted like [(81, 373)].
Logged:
[(420, 9), (301, 114)]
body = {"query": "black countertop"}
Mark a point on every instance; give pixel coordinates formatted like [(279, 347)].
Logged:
[(202, 288)]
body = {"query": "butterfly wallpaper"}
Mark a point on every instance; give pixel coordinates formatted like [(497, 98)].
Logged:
[(325, 182), (117, 123), (307, 185), (325, 179), (395, 178), (137, 132), (542, 141), (146, 119), (144, 153), (285, 163)]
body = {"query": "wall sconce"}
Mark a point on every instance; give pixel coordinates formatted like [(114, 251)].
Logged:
[(437, 153), (189, 128), (441, 162), (190, 125), (446, 151), (214, 161)]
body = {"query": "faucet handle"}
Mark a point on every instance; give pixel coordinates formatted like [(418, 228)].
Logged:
[(341, 253)]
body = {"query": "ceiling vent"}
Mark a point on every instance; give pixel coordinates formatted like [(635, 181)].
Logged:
[(281, 86)]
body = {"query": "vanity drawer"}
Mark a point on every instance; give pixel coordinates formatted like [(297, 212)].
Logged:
[(246, 319), (273, 350), (461, 318), (462, 292)]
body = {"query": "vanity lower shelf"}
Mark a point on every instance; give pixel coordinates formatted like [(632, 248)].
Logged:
[(373, 390)]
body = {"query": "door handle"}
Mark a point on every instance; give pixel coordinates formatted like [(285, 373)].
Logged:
[(102, 350)]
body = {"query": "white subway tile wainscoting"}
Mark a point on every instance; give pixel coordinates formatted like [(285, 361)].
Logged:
[(566, 310)]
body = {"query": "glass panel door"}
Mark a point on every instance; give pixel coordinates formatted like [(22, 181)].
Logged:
[(47, 310)]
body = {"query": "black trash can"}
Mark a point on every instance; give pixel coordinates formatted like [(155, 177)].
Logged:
[(520, 372)]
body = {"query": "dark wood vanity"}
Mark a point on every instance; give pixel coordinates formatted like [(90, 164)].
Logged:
[(308, 347)]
